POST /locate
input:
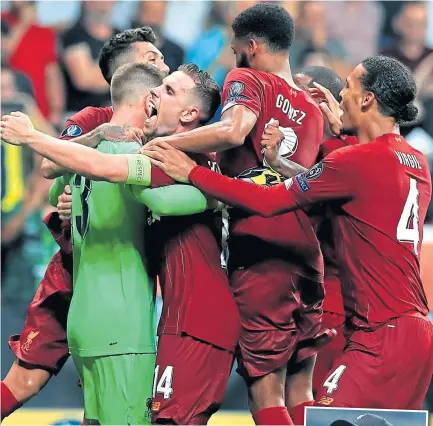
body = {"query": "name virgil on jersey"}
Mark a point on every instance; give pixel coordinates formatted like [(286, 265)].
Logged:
[(408, 160)]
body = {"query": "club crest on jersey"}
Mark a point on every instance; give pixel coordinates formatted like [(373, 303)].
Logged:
[(72, 131), (261, 176), (30, 337), (314, 172)]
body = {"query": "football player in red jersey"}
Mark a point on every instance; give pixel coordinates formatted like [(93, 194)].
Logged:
[(275, 265), (41, 348), (378, 192), (333, 311)]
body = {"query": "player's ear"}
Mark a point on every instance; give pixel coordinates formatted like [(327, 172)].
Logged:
[(368, 98), (189, 115), (252, 46)]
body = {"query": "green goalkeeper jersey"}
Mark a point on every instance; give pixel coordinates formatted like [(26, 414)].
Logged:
[(112, 308)]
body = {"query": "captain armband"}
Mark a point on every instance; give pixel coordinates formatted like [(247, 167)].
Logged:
[(139, 169)]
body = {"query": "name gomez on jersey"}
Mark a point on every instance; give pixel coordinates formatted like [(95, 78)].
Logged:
[(271, 98)]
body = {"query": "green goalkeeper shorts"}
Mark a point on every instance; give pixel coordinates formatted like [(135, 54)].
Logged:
[(117, 388)]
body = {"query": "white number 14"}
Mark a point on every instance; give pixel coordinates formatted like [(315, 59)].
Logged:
[(410, 212), (163, 384)]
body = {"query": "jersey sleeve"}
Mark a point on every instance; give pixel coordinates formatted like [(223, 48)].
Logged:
[(173, 200), (57, 189), (80, 123), (159, 178), (242, 87), (335, 178)]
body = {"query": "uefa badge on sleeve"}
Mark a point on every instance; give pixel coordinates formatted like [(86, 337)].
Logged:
[(72, 131)]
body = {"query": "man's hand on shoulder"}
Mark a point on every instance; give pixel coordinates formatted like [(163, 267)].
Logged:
[(16, 128), (170, 160)]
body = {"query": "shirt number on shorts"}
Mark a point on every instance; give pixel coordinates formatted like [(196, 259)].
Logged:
[(163, 384), (410, 214), (331, 383)]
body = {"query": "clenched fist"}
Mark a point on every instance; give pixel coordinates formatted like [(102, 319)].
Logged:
[(16, 128)]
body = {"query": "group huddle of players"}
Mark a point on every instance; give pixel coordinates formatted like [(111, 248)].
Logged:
[(307, 210)]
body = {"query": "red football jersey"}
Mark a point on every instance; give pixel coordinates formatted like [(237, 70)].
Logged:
[(379, 194), (333, 300), (271, 98), (85, 121), (195, 288)]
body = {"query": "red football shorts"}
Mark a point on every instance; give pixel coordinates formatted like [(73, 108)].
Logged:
[(329, 353), (42, 342), (190, 379), (280, 316), (388, 368)]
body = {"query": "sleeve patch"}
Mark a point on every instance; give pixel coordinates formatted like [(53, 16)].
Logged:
[(72, 131), (302, 182), (235, 91), (314, 172)]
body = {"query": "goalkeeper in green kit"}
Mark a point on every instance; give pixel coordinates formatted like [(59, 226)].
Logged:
[(111, 331)]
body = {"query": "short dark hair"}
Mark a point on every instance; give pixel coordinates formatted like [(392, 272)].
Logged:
[(132, 79), (120, 45), (326, 77), (206, 90), (393, 86), (266, 21)]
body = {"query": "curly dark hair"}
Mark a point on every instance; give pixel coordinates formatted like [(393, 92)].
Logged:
[(206, 90), (266, 21), (393, 86), (120, 45)]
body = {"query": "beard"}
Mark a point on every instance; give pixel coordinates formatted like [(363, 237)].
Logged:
[(243, 61)]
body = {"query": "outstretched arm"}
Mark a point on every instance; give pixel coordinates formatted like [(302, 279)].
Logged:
[(91, 139), (173, 200), (17, 129), (336, 178)]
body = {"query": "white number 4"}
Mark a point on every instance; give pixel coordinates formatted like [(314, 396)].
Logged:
[(163, 385), (331, 383), (410, 213)]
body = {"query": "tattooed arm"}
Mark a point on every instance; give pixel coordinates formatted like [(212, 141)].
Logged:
[(125, 133)]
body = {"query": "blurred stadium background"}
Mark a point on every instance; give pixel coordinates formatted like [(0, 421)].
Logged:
[(49, 52)]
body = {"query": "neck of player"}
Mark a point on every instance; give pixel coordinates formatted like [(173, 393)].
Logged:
[(277, 64), (128, 115), (375, 127)]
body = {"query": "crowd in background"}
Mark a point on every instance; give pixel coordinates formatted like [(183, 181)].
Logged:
[(49, 69)]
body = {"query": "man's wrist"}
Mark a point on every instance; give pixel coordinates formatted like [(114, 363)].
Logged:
[(139, 170), (193, 172), (32, 137)]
